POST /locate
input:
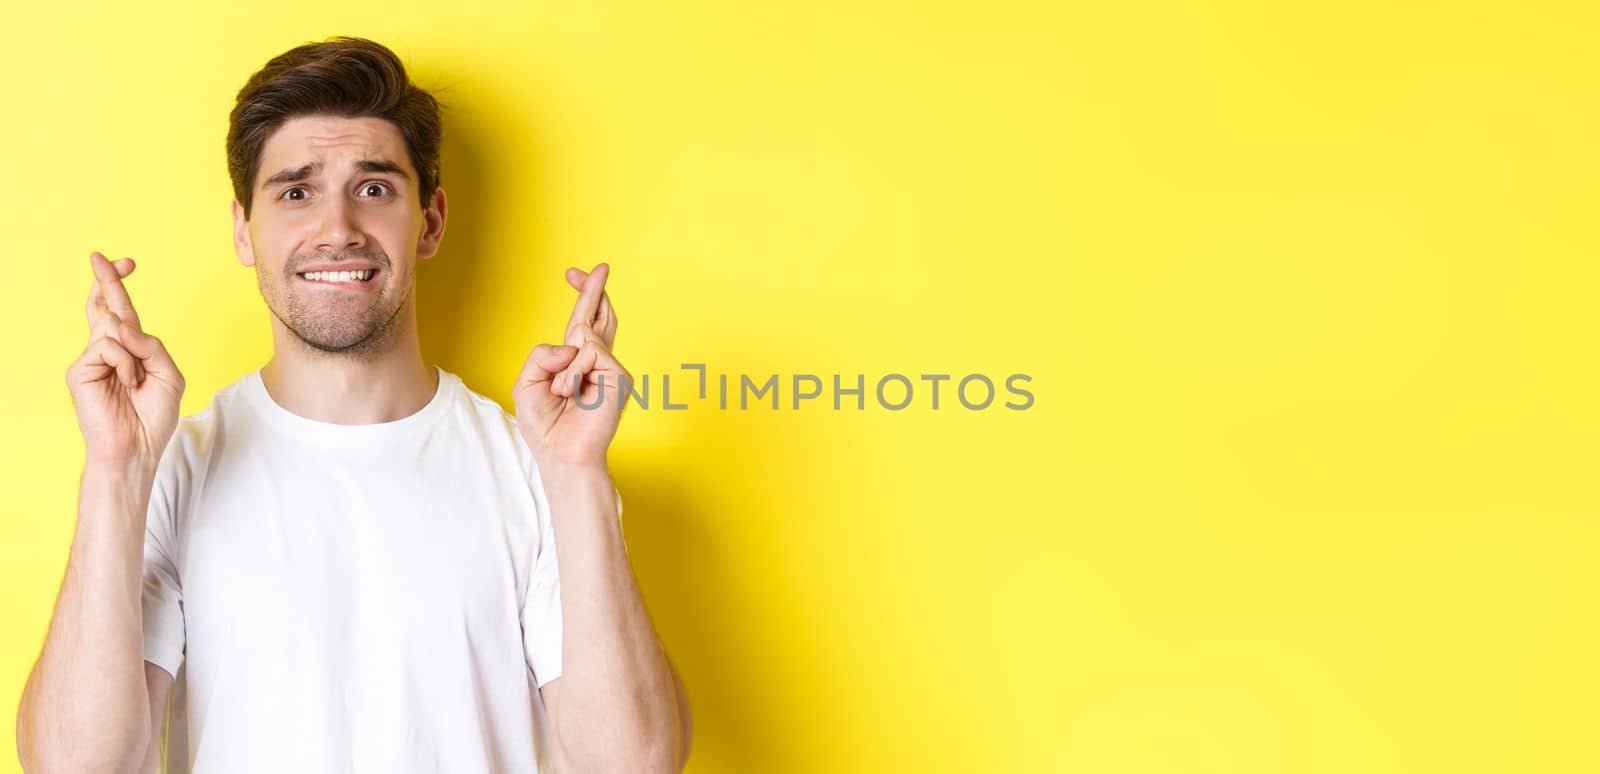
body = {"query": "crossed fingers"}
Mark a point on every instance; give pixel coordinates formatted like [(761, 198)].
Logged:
[(598, 316), (108, 294), (109, 305), (591, 330)]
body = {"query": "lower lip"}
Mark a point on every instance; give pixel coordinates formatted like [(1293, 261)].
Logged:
[(355, 285)]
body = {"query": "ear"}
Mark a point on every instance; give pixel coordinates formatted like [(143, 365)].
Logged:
[(241, 236), (433, 217)]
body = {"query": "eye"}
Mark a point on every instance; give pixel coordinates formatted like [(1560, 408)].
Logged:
[(287, 194), (383, 189)]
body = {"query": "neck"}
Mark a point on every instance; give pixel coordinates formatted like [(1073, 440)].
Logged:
[(379, 384)]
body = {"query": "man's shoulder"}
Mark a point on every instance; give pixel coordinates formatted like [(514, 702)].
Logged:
[(224, 401), (494, 428), (485, 407), (196, 432)]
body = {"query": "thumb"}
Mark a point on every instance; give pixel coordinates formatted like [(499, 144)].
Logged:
[(152, 352), (545, 360), (556, 358)]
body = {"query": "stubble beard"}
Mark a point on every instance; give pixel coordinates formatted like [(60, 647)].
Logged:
[(339, 327)]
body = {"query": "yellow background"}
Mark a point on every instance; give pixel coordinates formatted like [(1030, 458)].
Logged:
[(1307, 293)]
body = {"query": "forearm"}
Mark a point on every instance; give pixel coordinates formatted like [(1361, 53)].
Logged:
[(85, 706), (620, 707)]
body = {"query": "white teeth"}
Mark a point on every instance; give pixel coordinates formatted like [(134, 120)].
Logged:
[(338, 276)]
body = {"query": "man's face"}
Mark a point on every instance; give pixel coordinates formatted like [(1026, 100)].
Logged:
[(337, 195)]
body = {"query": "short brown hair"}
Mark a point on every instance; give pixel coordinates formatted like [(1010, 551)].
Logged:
[(341, 76)]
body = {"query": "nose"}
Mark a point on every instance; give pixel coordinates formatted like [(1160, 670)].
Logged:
[(339, 229)]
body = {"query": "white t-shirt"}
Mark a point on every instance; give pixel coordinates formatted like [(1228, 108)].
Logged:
[(352, 598)]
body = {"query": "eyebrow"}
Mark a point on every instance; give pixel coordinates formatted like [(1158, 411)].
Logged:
[(296, 174)]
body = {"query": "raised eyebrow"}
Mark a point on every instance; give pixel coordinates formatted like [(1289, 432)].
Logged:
[(297, 174), (382, 166), (293, 174)]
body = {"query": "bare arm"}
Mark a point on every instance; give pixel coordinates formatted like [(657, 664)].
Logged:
[(158, 684), (88, 702), (550, 694), (86, 706), (619, 705)]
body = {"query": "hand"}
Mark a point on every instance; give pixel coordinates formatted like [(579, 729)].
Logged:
[(124, 385), (557, 429)]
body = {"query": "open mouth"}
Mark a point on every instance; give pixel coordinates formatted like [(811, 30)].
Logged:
[(349, 279)]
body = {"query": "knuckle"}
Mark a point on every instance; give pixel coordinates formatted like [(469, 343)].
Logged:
[(107, 347)]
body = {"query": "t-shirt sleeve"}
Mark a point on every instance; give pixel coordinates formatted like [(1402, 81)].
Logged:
[(162, 595), (541, 608)]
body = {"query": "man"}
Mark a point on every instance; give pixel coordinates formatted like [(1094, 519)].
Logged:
[(349, 556)]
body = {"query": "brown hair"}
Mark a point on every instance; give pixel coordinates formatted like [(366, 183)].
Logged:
[(341, 76)]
